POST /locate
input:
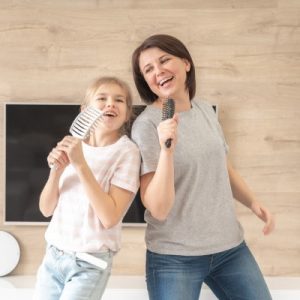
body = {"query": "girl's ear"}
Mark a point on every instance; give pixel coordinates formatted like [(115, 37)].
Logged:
[(83, 107), (128, 116)]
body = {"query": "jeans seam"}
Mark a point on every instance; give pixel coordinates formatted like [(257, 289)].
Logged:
[(211, 263), (154, 279), (220, 287), (152, 269)]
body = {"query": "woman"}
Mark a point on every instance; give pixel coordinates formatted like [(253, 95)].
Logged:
[(193, 235)]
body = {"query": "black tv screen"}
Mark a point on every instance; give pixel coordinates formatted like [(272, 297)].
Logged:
[(31, 131)]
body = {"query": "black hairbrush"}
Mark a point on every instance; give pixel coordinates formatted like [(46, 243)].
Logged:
[(168, 110)]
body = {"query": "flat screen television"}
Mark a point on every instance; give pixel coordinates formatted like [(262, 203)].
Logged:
[(31, 131)]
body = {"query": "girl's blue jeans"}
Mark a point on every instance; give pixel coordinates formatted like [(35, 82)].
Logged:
[(63, 276), (232, 274)]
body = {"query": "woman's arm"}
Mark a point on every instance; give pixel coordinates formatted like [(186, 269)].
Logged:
[(243, 194), (157, 188)]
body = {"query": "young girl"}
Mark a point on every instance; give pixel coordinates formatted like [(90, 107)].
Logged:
[(87, 193)]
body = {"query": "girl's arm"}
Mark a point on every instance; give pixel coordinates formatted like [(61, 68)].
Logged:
[(243, 194), (50, 193), (109, 207)]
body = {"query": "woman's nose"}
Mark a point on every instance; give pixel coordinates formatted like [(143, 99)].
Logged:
[(158, 69)]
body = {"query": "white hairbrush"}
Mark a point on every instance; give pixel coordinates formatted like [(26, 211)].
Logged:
[(84, 124)]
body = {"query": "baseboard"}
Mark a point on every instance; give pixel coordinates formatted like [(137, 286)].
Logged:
[(134, 288)]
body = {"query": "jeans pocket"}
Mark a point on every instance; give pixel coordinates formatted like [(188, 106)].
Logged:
[(52, 252)]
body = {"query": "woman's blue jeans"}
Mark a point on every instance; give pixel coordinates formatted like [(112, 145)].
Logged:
[(232, 274)]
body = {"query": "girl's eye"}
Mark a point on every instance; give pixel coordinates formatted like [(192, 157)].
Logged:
[(120, 100), (101, 99)]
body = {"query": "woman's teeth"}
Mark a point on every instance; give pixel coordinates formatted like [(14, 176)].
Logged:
[(162, 82)]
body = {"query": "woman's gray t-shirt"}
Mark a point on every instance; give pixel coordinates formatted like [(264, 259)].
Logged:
[(203, 219)]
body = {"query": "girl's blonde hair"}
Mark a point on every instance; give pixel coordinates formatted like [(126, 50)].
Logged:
[(95, 85)]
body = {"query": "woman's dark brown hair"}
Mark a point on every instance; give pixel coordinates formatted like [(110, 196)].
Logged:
[(170, 45)]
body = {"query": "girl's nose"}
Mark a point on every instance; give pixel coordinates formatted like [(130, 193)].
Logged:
[(110, 103)]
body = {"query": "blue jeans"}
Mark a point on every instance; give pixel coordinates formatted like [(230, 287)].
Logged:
[(232, 274), (63, 276)]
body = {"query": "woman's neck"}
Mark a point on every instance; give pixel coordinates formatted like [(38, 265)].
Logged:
[(182, 103)]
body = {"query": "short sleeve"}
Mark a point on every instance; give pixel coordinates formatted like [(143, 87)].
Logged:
[(127, 174), (144, 134), (221, 133), (214, 118)]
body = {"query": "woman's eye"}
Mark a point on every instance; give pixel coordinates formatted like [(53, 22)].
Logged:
[(147, 70), (165, 60)]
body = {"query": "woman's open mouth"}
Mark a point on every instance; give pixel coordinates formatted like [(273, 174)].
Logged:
[(165, 81)]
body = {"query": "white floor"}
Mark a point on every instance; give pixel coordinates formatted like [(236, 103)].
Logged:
[(134, 288)]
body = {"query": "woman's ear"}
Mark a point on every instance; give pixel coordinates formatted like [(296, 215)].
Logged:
[(187, 64), (188, 67)]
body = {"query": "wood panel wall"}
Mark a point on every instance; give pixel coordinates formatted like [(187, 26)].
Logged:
[(247, 56)]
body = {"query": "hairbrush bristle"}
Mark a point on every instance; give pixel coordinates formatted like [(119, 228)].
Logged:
[(168, 109), (85, 123)]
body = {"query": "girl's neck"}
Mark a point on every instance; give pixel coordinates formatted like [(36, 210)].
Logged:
[(102, 139)]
